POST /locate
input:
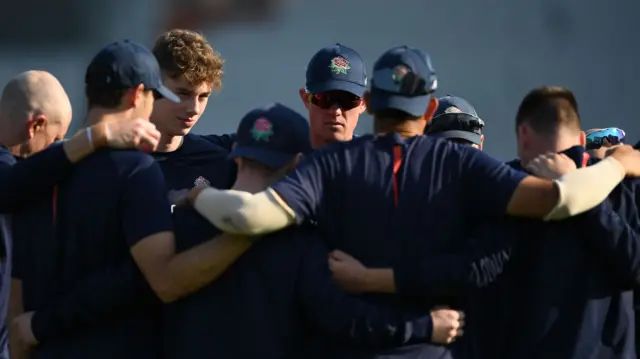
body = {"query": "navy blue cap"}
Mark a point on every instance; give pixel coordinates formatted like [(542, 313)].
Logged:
[(456, 118), (453, 104), (336, 68), (272, 135), (125, 64), (403, 79)]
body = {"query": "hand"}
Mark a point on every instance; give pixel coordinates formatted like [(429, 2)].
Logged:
[(347, 272), (447, 325), (22, 326), (551, 165), (178, 196), (193, 194), (628, 158), (138, 133)]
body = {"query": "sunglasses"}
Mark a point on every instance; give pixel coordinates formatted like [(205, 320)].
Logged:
[(342, 99), (596, 139)]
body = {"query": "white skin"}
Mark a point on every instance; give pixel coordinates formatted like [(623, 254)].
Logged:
[(35, 111), (175, 120), (330, 125), (532, 144)]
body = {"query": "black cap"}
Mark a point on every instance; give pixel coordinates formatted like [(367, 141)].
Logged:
[(455, 118), (125, 64), (272, 135), (336, 68)]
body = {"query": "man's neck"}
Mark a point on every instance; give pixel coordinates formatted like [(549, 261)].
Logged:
[(319, 141), (169, 143), (405, 129), (96, 116), (250, 183)]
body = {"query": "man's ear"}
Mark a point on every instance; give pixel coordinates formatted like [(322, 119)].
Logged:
[(296, 160), (304, 96), (35, 123), (431, 109), (134, 96), (583, 139), (363, 108), (481, 141)]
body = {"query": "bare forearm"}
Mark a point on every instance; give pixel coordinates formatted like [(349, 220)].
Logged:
[(85, 142), (16, 349), (379, 280), (195, 268)]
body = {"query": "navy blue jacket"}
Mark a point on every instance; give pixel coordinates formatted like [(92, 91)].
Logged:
[(268, 301), (116, 288)]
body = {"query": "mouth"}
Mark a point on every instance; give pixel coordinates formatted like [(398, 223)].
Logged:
[(334, 124), (187, 121)]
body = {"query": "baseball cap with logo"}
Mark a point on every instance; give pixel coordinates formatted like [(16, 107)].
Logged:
[(125, 64), (403, 79), (455, 118), (272, 135), (336, 68)]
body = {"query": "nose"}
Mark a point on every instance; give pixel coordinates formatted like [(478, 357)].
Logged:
[(193, 106), (335, 110)]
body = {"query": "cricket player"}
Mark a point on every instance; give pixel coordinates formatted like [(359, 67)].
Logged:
[(194, 72), (336, 79)]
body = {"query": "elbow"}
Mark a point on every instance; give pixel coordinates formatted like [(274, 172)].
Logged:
[(166, 292)]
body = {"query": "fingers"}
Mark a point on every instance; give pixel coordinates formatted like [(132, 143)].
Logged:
[(148, 136), (339, 255)]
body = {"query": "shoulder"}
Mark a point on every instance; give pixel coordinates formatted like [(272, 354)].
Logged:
[(126, 162), (6, 157), (205, 142), (225, 141)]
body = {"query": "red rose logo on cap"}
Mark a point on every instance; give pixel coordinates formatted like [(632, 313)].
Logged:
[(339, 65), (262, 130)]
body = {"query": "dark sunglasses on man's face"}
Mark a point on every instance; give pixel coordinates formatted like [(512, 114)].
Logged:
[(342, 99), (596, 139)]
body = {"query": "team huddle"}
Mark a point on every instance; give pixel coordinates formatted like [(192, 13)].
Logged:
[(294, 238)]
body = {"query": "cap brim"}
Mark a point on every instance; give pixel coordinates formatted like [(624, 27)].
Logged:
[(415, 106), (166, 93), (269, 158), (337, 85), (463, 135)]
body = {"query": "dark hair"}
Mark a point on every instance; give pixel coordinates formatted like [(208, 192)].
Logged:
[(396, 115), (548, 108), (104, 97)]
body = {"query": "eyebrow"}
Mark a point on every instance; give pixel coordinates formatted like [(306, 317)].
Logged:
[(190, 91)]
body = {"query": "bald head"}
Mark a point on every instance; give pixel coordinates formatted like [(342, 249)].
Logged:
[(34, 110)]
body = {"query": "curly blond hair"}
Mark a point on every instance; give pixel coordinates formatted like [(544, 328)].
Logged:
[(187, 53)]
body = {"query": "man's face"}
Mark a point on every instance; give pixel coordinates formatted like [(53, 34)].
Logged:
[(177, 119), (333, 115)]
